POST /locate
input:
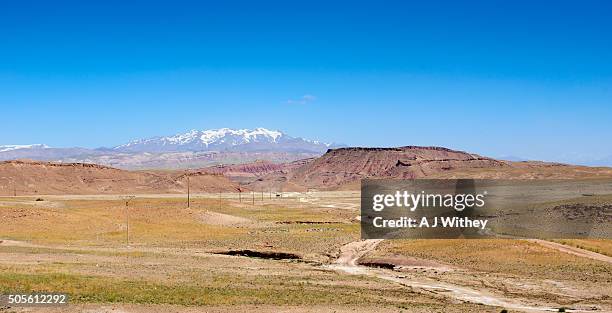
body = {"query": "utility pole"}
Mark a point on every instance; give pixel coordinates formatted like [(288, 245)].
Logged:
[(188, 192), (127, 219), (240, 195), (127, 223)]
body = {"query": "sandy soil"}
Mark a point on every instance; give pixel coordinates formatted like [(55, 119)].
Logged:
[(214, 218)]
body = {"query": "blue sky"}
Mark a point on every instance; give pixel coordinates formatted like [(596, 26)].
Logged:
[(492, 77)]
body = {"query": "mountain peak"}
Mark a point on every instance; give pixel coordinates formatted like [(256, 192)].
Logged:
[(6, 148), (210, 136), (222, 139)]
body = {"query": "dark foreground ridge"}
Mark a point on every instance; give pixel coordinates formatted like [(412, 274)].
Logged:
[(262, 254)]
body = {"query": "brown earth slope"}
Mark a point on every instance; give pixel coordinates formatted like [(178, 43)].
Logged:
[(528, 170), (343, 168), (337, 169), (346, 166), (23, 177), (254, 169)]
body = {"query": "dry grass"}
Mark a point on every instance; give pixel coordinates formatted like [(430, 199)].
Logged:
[(216, 290), (513, 257), (77, 244), (603, 246), (166, 222), (179, 277)]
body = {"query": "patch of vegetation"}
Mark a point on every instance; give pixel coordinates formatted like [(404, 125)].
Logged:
[(97, 289), (42, 250)]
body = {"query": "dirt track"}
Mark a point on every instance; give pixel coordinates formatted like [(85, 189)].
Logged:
[(352, 252)]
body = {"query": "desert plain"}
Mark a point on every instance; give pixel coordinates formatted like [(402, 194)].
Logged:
[(298, 251)]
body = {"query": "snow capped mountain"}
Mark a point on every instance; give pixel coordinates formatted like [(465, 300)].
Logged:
[(196, 148), (6, 148), (225, 139)]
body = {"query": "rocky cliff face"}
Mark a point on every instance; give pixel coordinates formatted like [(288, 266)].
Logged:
[(344, 166)]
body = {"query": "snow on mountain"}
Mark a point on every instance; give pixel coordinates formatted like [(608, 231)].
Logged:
[(225, 139), (6, 148), (196, 148)]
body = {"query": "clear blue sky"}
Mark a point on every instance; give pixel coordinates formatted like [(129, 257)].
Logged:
[(524, 78)]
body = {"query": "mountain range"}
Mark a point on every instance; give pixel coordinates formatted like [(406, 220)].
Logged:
[(337, 169), (195, 148), (201, 148), (225, 139)]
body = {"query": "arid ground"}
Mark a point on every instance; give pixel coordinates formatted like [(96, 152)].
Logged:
[(298, 252)]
